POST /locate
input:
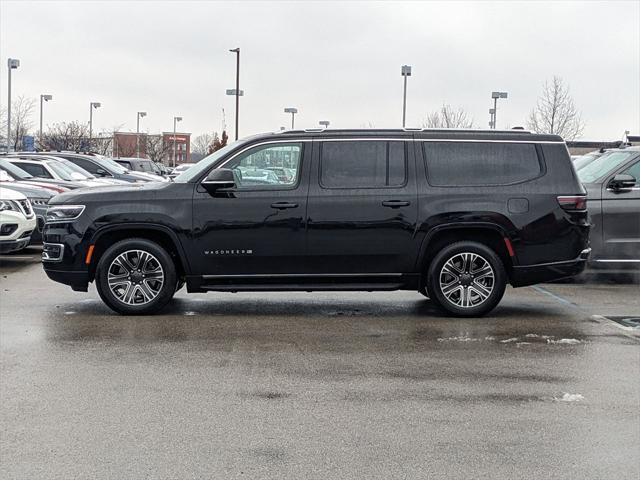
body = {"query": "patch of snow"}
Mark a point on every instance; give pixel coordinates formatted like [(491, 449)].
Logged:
[(510, 340), (464, 338), (569, 397), (189, 314), (565, 341), (489, 338), (535, 335), (71, 312), (523, 343)]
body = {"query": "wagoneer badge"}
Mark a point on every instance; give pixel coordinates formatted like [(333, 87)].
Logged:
[(228, 252)]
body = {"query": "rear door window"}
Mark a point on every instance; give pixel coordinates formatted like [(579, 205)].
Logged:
[(480, 163), (35, 170), (86, 165), (363, 164)]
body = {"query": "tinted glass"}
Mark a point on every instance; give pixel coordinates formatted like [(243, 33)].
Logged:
[(366, 164), (634, 171), (604, 165), (85, 165), (264, 166), (480, 163), (35, 170), (13, 170)]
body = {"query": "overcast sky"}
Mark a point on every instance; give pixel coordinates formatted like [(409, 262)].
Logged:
[(333, 61)]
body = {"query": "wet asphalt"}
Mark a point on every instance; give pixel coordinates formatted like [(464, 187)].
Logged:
[(317, 385)]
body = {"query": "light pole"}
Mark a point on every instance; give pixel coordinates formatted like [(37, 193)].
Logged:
[(406, 72), (325, 123), (138, 117), (492, 111), (496, 96), (293, 112), (92, 105), (45, 98), (12, 64), (237, 89), (175, 119)]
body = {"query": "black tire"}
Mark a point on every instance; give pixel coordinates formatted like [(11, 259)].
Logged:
[(467, 292), (141, 288)]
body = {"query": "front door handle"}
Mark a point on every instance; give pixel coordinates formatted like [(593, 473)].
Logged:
[(395, 203), (284, 205)]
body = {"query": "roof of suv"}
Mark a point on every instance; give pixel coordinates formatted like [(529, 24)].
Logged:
[(422, 133)]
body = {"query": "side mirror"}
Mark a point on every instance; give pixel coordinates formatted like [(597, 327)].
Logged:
[(219, 178), (622, 182)]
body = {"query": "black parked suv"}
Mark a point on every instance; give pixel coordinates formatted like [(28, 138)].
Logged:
[(453, 214)]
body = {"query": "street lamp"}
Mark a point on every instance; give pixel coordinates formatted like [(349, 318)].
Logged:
[(293, 112), (92, 105), (496, 96), (45, 98), (406, 72), (325, 123), (492, 112), (139, 116), (175, 119), (12, 64), (237, 91)]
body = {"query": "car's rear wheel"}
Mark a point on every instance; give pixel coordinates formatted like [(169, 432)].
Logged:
[(136, 277), (467, 279)]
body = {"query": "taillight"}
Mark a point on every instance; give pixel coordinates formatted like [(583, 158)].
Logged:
[(573, 202)]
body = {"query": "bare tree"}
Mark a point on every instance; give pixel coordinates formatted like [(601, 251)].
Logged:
[(200, 144), (447, 117), (156, 148), (66, 136), (21, 120), (555, 112), (218, 142)]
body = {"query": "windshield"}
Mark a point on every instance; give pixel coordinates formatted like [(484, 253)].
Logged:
[(13, 170), (603, 165), (203, 165), (63, 172), (584, 160), (113, 166), (74, 168)]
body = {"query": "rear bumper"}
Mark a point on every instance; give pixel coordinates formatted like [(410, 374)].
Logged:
[(524, 275)]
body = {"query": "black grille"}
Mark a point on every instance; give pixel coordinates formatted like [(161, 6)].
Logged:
[(26, 207)]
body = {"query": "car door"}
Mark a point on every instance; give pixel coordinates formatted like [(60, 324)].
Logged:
[(258, 227), (362, 208), (621, 217)]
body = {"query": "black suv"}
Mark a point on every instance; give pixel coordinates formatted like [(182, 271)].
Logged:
[(455, 215)]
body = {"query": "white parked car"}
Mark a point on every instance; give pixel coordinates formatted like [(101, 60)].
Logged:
[(17, 220), (54, 169)]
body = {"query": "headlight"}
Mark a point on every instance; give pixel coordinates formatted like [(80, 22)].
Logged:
[(63, 213), (8, 205)]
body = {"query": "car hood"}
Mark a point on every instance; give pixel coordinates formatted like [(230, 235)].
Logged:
[(115, 193), (28, 190), (146, 176)]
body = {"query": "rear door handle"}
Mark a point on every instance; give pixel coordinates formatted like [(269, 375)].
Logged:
[(395, 203), (284, 205)]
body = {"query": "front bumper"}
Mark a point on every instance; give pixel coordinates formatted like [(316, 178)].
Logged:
[(78, 281), (7, 246), (524, 275)]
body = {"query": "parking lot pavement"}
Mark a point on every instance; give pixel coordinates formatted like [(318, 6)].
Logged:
[(321, 385)]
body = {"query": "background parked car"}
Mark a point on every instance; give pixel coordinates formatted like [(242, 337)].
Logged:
[(39, 198), (41, 167), (11, 172), (17, 221), (135, 164), (183, 167), (612, 181), (105, 167)]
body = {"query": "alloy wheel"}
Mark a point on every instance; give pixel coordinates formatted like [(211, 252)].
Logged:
[(467, 280), (135, 277)]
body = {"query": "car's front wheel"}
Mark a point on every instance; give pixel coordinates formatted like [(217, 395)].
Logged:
[(467, 279), (136, 277)]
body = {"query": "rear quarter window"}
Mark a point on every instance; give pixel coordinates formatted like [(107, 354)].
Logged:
[(457, 164)]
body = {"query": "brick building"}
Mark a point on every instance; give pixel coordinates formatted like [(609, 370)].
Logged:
[(158, 148)]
